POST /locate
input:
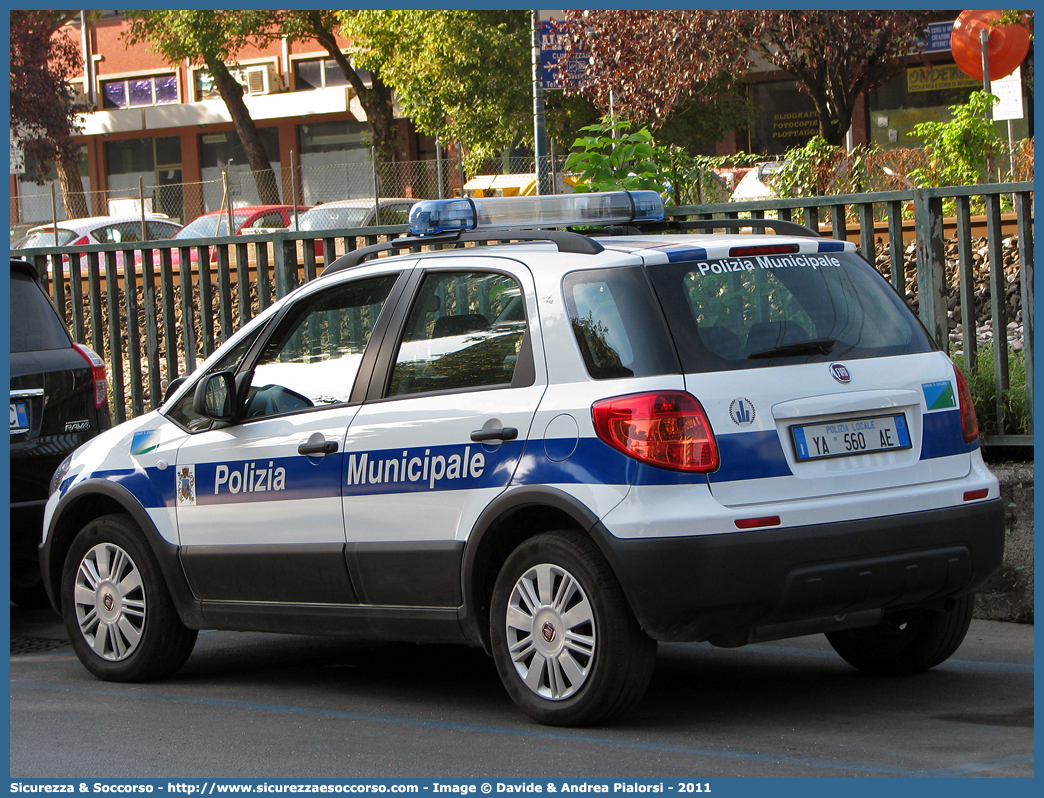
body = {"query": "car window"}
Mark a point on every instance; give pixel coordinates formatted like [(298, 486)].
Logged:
[(450, 340), (314, 357), (738, 312), (182, 413), (271, 220), (119, 233), (159, 231), (332, 218), (617, 324), (45, 238), (395, 214), (34, 322)]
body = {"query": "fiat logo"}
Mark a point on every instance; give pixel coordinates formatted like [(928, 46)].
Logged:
[(108, 601), (840, 372), (549, 632)]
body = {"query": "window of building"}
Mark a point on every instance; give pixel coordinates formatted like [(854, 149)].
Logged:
[(322, 73), (786, 117), (137, 92), (333, 136)]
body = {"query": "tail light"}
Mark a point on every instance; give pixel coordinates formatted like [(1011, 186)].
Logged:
[(664, 429), (101, 380), (969, 423)]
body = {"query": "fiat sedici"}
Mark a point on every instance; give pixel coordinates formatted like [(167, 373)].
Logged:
[(562, 448)]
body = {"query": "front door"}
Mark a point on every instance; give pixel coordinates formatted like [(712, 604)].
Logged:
[(259, 501)]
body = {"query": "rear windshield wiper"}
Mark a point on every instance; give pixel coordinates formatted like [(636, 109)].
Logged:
[(816, 346)]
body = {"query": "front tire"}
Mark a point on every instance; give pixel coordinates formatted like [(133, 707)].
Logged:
[(566, 644), (119, 615), (908, 641)]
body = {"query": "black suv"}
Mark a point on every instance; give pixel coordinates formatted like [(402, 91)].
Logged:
[(59, 399)]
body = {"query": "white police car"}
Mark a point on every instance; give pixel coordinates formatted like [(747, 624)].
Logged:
[(562, 449)]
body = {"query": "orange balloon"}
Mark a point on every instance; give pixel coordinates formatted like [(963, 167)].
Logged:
[(1006, 50)]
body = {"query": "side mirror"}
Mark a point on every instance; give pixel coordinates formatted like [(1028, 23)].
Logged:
[(215, 396), (173, 386)]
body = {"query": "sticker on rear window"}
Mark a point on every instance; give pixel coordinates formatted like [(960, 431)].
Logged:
[(938, 395), (766, 262)]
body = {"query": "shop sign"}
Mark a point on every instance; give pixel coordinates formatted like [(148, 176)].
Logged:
[(938, 78)]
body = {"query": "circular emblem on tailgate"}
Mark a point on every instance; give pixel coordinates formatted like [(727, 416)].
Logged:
[(840, 372), (742, 412)]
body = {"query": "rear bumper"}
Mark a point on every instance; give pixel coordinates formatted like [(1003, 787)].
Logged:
[(724, 587)]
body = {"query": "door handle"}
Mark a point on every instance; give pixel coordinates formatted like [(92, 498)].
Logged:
[(502, 434), (317, 447)]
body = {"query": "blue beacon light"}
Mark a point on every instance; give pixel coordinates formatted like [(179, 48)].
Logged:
[(431, 217)]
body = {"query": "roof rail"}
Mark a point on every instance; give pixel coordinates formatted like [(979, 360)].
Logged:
[(565, 241), (781, 226)]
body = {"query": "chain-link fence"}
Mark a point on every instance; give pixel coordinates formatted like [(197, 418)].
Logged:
[(350, 190)]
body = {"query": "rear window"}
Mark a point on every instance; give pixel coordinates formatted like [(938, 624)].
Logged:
[(618, 324), (34, 323), (745, 312), (45, 238)]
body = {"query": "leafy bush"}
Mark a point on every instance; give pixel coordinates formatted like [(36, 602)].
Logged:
[(983, 385), (961, 151)]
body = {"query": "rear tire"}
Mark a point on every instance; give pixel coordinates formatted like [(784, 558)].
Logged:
[(119, 614), (567, 646), (909, 641)]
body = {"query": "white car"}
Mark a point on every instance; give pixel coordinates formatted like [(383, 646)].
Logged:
[(344, 214), (101, 230), (562, 450)]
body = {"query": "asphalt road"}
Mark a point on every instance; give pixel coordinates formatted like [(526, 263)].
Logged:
[(252, 705)]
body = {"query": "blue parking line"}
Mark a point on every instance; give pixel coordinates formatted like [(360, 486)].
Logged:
[(556, 735)]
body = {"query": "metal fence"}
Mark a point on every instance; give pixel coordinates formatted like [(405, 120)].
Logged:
[(156, 321)]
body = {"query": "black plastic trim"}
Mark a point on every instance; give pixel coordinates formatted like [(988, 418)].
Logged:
[(422, 573), (308, 574), (472, 613), (406, 624), (720, 587), (166, 553)]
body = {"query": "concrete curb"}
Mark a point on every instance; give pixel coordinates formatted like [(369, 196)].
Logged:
[(1008, 594)]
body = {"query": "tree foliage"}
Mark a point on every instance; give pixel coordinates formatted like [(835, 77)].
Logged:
[(43, 108), (212, 38), (376, 99), (461, 76), (655, 61)]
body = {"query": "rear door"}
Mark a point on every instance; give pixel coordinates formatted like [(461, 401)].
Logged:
[(443, 430)]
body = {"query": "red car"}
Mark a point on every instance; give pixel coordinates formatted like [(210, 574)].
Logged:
[(245, 221), (255, 219)]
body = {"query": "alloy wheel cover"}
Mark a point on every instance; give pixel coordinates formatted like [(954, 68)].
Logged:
[(109, 599), (550, 628)]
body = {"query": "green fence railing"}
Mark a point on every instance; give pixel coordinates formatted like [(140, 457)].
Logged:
[(183, 298)]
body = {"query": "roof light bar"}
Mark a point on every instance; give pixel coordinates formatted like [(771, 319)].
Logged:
[(431, 217)]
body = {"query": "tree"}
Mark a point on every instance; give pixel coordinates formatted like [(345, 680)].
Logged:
[(376, 99), (43, 108), (656, 60), (212, 38), (462, 76)]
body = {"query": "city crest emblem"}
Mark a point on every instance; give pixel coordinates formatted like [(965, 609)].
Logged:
[(186, 486)]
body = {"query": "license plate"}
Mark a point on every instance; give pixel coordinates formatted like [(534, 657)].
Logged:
[(851, 436), (19, 417)]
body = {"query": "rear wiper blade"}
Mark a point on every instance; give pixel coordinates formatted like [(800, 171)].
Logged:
[(816, 346)]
